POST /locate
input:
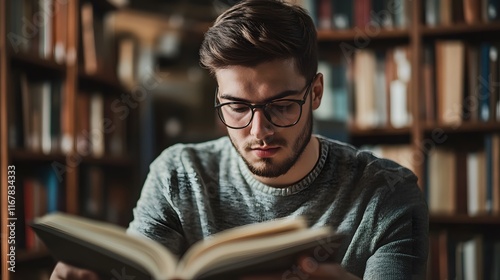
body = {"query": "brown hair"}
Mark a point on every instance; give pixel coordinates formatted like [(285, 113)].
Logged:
[(257, 31)]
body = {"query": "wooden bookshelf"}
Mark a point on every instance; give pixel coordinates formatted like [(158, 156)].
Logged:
[(66, 75), (467, 136), (3, 141)]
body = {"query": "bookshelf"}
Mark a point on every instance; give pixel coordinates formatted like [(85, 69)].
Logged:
[(472, 214), (43, 80)]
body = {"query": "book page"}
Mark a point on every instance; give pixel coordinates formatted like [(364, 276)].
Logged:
[(251, 231), (242, 253)]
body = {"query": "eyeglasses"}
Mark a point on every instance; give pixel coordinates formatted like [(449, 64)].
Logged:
[(280, 112)]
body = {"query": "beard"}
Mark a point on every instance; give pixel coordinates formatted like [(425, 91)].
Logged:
[(269, 167)]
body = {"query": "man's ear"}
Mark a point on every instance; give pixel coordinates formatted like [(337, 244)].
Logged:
[(317, 91)]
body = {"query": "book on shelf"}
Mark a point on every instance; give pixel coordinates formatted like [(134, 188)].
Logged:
[(100, 129), (463, 180), (449, 74), (361, 14), (41, 194), (39, 28), (88, 38), (103, 247), (381, 83), (441, 181), (335, 93), (38, 124), (97, 48)]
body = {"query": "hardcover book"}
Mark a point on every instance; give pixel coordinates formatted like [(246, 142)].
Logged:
[(107, 249)]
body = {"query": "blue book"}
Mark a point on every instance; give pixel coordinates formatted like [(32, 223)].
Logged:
[(53, 193), (484, 82)]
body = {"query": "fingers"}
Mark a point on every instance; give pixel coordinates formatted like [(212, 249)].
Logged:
[(64, 271)]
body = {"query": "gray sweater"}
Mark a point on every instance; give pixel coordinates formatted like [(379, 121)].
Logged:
[(195, 190)]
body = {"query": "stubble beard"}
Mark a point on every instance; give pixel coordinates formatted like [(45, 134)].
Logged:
[(268, 167)]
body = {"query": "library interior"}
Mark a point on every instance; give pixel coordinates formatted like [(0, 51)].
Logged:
[(92, 91)]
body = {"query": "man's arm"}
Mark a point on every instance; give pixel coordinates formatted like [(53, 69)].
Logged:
[(154, 215), (400, 237)]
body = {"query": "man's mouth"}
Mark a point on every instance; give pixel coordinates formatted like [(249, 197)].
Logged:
[(265, 151)]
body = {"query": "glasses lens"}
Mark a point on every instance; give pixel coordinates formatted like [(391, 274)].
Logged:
[(235, 114), (283, 112)]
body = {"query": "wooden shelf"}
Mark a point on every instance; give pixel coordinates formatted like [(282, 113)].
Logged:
[(100, 80), (68, 80), (385, 131), (118, 161), (34, 62), (461, 29), (465, 127), (464, 220), (29, 156), (349, 35), (103, 6)]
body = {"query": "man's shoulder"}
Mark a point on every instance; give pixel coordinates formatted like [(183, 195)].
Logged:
[(365, 164), (182, 153)]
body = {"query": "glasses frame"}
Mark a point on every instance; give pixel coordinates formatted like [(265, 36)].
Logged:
[(253, 107)]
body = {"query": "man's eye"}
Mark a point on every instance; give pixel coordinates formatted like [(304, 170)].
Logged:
[(282, 107), (239, 108)]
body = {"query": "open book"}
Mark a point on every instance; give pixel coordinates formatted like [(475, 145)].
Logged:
[(271, 246)]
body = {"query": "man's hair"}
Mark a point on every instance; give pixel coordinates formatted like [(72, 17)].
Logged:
[(257, 31)]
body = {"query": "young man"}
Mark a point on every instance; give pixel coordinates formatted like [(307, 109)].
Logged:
[(264, 58)]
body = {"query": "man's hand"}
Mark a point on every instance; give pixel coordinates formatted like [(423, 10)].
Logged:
[(305, 270), (64, 271)]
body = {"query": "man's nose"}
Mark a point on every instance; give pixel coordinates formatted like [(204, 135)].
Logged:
[(261, 126)]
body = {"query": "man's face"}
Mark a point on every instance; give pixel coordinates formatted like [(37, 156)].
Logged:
[(269, 151)]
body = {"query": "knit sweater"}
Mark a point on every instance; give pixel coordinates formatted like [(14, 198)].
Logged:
[(196, 190)]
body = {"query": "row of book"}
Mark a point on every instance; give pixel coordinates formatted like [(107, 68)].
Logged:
[(371, 92), (97, 47), (456, 181), (341, 15), (103, 196), (465, 257), (101, 125), (39, 27), (465, 182), (448, 12), (41, 124), (42, 194), (461, 82)]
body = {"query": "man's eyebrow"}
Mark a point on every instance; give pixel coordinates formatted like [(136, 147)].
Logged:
[(280, 95)]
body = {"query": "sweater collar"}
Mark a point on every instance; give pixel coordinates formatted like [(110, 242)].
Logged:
[(301, 185)]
